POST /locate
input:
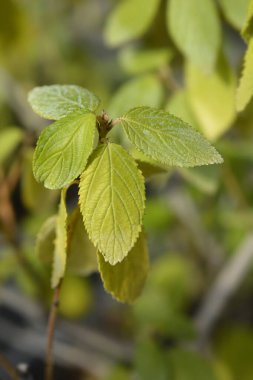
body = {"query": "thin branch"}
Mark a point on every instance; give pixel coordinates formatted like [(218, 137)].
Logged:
[(50, 333), (225, 285)]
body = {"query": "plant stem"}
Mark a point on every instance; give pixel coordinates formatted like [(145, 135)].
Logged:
[(50, 333)]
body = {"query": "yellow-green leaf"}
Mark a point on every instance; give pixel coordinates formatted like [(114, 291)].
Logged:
[(45, 240), (9, 139), (247, 31), (136, 61), (57, 101), (112, 199), (60, 251), (63, 149), (212, 98), (167, 139), (235, 11), (125, 280), (245, 89), (82, 255), (195, 28), (130, 19), (145, 90), (34, 195)]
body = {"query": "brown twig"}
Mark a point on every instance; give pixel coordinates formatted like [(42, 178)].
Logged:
[(6, 365), (50, 333)]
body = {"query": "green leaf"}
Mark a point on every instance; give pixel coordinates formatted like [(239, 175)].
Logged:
[(151, 361), (195, 28), (245, 89), (130, 19), (136, 61), (82, 255), (9, 139), (45, 240), (188, 365), (63, 149), (35, 196), (112, 199), (125, 280), (180, 106), (247, 31), (145, 90), (60, 251), (147, 165), (212, 98), (235, 11), (167, 139), (57, 101)]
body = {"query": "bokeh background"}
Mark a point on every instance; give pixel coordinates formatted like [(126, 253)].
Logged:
[(193, 320)]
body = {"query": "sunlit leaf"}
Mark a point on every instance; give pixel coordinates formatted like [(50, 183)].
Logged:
[(57, 101), (82, 255), (212, 98), (130, 19), (60, 251), (235, 11), (138, 61), (63, 149), (9, 139), (247, 31), (195, 28), (245, 89), (112, 201), (145, 90), (125, 280), (167, 139)]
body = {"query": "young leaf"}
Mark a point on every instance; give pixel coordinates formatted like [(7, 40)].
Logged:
[(147, 165), (60, 251), (245, 89), (112, 199), (9, 139), (125, 280), (145, 90), (63, 149), (136, 61), (167, 139), (212, 97), (235, 11), (45, 240), (82, 255), (195, 28), (130, 19), (57, 101), (247, 31)]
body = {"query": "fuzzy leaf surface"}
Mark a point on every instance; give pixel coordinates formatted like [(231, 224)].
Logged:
[(130, 19), (63, 149), (57, 101), (60, 250), (245, 89), (112, 199), (195, 28), (167, 139), (125, 280)]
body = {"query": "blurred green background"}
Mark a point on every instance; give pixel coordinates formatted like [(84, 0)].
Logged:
[(194, 318)]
